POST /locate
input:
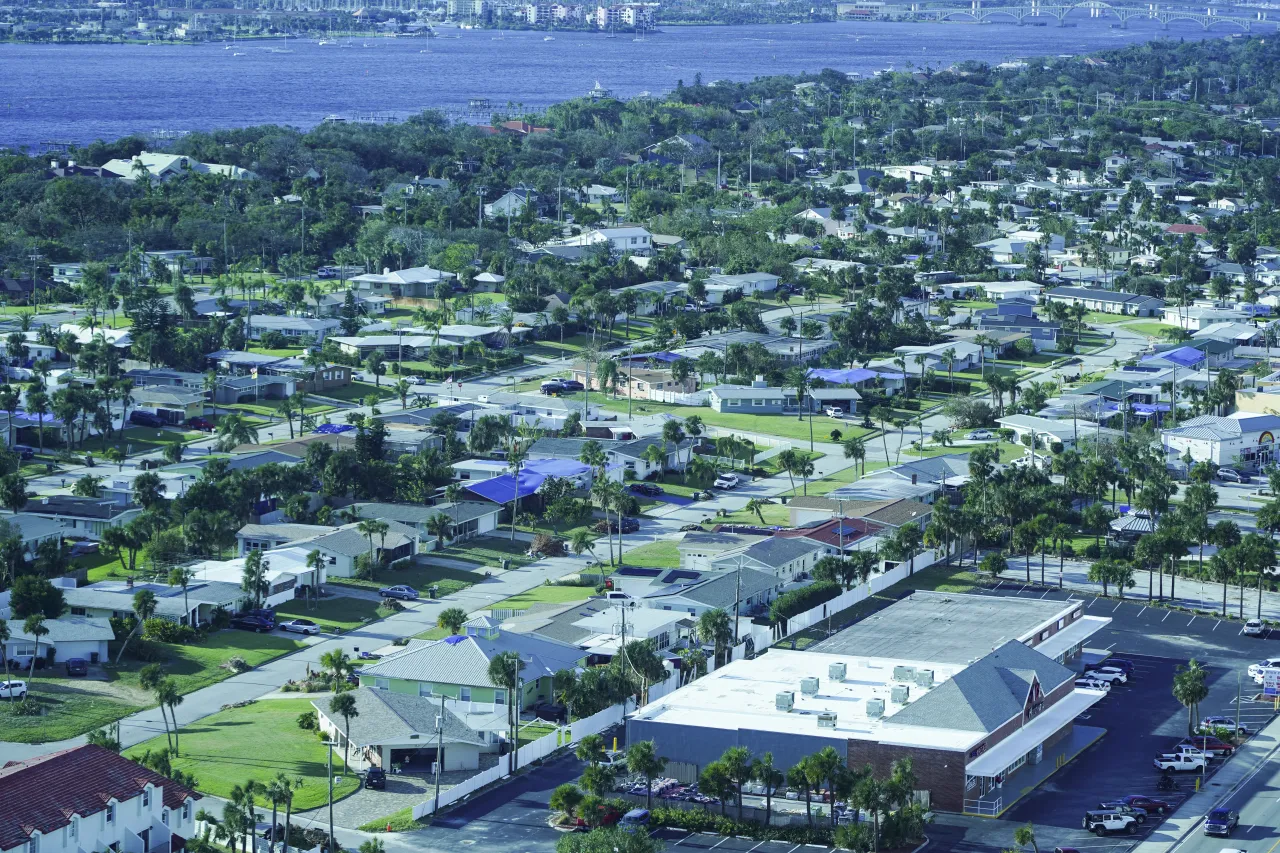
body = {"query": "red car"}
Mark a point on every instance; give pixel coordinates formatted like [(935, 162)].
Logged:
[(1209, 743), (200, 423), (1148, 804)]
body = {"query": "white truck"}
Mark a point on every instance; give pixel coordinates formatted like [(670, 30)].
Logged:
[(1180, 761)]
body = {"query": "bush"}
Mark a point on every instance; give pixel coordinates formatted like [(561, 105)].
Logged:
[(236, 664), (122, 626), (308, 721), (1092, 551), (799, 600), (168, 631), (548, 546)]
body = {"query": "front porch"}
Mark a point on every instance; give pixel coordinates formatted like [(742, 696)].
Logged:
[(987, 797)]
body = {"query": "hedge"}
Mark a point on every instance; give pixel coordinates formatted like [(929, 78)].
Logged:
[(799, 600), (701, 820)]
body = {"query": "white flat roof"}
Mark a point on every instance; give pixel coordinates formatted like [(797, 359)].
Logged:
[(1072, 635), (742, 696), (1027, 738)]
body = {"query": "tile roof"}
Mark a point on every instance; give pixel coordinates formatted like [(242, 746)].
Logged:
[(42, 794)]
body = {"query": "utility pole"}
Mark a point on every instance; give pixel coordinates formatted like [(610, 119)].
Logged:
[(737, 598), (480, 206), (333, 844), (439, 751)]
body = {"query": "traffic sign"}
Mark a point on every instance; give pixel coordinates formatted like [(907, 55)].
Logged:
[(1271, 681)]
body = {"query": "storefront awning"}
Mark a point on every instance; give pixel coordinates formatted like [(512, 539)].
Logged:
[(1006, 752), (1072, 636)]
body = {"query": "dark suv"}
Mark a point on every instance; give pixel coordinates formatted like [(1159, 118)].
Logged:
[(253, 623), (375, 778), (145, 419)]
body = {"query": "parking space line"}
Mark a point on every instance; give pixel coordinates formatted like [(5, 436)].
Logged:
[(1215, 626), (1118, 606), (757, 845), (1167, 615), (718, 843), (1192, 620), (1143, 610), (794, 849), (1090, 604)]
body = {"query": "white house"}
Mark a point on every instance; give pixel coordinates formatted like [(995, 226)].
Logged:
[(90, 798), (69, 637), (1242, 438), (162, 167)]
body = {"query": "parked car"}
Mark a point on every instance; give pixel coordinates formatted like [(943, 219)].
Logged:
[(1231, 475), (24, 451), (200, 423), (1091, 683), (726, 481), (145, 419), (834, 412), (407, 593), (301, 626), (1125, 666), (1221, 822), (1253, 628), (1102, 823), (77, 666), (573, 386), (13, 689), (1179, 761), (253, 623), (1148, 804), (375, 778), (1256, 669), (1140, 815), (1107, 673), (415, 380), (552, 389), (1209, 744), (1224, 723), (648, 489), (980, 435), (551, 711)]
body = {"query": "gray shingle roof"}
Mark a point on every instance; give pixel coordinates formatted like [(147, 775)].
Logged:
[(414, 514), (69, 629), (350, 542), (465, 659), (777, 551), (386, 717), (567, 448), (721, 591), (986, 695)]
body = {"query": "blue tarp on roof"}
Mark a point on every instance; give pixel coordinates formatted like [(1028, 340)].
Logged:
[(842, 377), (332, 429), (667, 357), (557, 467), (503, 489), (1182, 356), (1150, 408)]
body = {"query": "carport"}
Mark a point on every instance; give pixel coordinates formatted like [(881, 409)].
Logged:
[(986, 775), (391, 729)]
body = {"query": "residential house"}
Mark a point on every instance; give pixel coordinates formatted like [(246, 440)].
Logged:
[(288, 571), (158, 166), (788, 559), (467, 519), (754, 399), (34, 530), (634, 455), (171, 404), (87, 517), (599, 194), (1008, 318), (751, 590), (406, 731), (746, 284), (922, 480), (90, 798), (511, 203), (194, 605), (1107, 301), (342, 547), (291, 327), (656, 296), (413, 282), (457, 667), (68, 637), (266, 537), (641, 384), (782, 347)]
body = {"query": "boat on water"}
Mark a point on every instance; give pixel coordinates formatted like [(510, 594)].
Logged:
[(548, 38), (597, 92), (323, 42), (237, 54)]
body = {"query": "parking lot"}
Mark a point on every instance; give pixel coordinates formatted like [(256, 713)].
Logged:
[(1141, 718), (677, 838)]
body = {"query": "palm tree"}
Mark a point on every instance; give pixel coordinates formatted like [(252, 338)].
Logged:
[(337, 662), (715, 627), (504, 673), (581, 541), (452, 618), (856, 449), (401, 389), (656, 459), (764, 772), (168, 696), (34, 627), (4, 649), (1190, 689), (643, 759), (517, 453), (673, 433), (344, 705), (757, 506), (144, 607), (370, 528), (234, 430), (286, 409)]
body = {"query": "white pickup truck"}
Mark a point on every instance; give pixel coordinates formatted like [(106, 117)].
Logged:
[(1180, 761)]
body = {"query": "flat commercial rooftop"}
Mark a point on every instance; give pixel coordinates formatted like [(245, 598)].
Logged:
[(945, 628)]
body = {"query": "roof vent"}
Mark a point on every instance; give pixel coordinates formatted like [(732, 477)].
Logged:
[(875, 709), (899, 694), (809, 686), (827, 720), (836, 671), (785, 700), (904, 673), (924, 678)]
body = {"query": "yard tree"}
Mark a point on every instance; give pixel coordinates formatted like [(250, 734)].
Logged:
[(767, 774), (344, 705), (715, 781), (34, 627), (1025, 836), (144, 607), (737, 763), (566, 798), (451, 618), (642, 759), (504, 674), (715, 626), (606, 840), (31, 594), (253, 580), (1190, 689), (338, 664)]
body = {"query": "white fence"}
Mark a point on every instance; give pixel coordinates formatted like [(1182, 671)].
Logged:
[(697, 398), (532, 751), (762, 440)]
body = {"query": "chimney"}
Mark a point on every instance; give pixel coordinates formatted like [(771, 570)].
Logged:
[(914, 478), (128, 582), (53, 164), (71, 164), (386, 270), (759, 382)]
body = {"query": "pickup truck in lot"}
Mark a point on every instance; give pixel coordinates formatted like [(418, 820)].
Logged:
[(1180, 761)]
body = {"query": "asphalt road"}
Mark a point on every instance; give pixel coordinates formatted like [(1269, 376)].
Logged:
[(1256, 801)]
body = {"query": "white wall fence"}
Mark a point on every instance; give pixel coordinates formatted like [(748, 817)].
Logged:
[(763, 440), (679, 398), (530, 752)]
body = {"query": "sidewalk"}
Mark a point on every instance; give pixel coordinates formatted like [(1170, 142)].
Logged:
[(1192, 593), (1248, 760)]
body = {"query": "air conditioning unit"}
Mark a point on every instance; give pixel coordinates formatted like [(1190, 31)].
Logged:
[(827, 720), (809, 686), (899, 694), (836, 671), (875, 709), (924, 678), (904, 673), (785, 701)]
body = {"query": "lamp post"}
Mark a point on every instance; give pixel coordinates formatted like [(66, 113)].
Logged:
[(333, 844)]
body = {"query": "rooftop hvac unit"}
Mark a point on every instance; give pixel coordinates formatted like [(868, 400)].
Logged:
[(827, 720), (898, 695), (924, 677), (875, 709), (809, 686), (836, 671), (785, 701), (904, 673)]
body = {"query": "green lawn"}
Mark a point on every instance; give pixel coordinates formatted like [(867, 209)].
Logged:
[(832, 481), (283, 352), (401, 821), (420, 576), (775, 515), (68, 713), (436, 633), (357, 391), (973, 304), (1150, 329), (137, 440), (783, 426), (1008, 450), (1100, 317), (333, 614), (196, 666), (546, 594), (490, 551), (256, 742), (657, 555), (101, 567), (771, 464)]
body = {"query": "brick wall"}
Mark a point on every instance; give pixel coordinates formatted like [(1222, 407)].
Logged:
[(937, 771)]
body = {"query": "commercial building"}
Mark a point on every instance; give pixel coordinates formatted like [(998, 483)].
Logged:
[(976, 690)]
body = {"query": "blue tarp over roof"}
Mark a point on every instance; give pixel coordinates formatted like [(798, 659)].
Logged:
[(1182, 356), (656, 356), (842, 377), (333, 429), (503, 489), (557, 467)]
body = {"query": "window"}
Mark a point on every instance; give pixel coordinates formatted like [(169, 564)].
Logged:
[(499, 697), (110, 813), (424, 689), (186, 810), (466, 694), (164, 816), (35, 843), (382, 684), (757, 402), (73, 828), (1044, 635), (733, 404), (146, 797), (1061, 622), (77, 611)]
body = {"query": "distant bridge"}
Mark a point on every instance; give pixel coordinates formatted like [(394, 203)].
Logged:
[(1097, 9)]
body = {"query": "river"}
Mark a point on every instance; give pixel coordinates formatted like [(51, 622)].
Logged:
[(81, 92)]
